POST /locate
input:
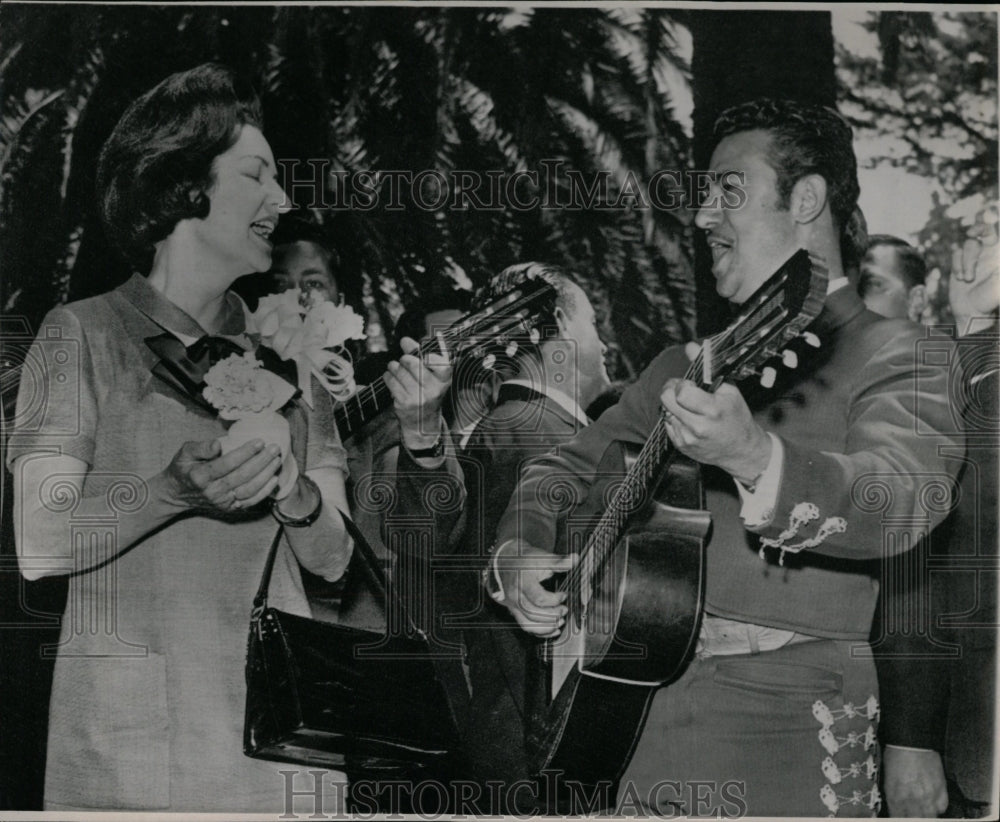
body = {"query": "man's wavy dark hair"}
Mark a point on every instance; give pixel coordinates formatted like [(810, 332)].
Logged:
[(156, 166), (807, 139)]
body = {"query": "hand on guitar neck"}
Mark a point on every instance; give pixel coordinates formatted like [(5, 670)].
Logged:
[(522, 569), (716, 428), (418, 387)]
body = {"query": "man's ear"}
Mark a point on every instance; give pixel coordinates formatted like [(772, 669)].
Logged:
[(562, 320), (809, 198), (916, 303)]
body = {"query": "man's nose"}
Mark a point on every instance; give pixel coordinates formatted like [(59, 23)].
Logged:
[(709, 213), (705, 218)]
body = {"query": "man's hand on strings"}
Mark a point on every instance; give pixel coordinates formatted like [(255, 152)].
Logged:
[(418, 387), (716, 429), (522, 569)]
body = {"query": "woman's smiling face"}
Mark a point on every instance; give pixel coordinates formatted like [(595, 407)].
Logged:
[(245, 200)]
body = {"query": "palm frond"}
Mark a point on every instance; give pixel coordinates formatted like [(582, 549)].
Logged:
[(19, 114)]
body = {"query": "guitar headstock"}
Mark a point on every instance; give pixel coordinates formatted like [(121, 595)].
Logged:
[(500, 326), (780, 310)]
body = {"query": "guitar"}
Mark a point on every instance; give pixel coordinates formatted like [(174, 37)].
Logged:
[(635, 595), (516, 313)]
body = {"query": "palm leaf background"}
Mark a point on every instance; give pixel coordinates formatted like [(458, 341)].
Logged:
[(594, 91), (359, 89)]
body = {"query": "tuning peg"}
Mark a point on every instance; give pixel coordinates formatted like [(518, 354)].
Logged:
[(811, 339), (511, 349), (789, 358), (768, 376), (489, 361)]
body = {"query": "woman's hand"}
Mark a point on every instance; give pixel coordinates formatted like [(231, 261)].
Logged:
[(200, 477)]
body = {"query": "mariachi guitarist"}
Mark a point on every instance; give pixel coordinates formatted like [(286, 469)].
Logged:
[(540, 404), (774, 715)]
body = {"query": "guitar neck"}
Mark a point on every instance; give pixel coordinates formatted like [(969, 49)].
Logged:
[(357, 411), (369, 401), (655, 456)]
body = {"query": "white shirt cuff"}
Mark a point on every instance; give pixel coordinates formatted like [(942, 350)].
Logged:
[(758, 505), (491, 574)]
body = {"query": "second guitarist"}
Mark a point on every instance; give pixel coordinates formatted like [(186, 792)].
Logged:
[(540, 405)]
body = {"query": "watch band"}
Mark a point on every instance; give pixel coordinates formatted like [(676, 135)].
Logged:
[(436, 450), (308, 519)]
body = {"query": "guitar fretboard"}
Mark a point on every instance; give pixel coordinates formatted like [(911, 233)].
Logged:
[(368, 402), (511, 314), (654, 457)]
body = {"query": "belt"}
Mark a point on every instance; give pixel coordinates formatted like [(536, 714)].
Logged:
[(722, 637)]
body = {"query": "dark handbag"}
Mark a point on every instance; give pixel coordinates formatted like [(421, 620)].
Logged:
[(335, 696)]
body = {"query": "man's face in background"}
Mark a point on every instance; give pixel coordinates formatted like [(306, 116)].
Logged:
[(302, 265), (883, 286)]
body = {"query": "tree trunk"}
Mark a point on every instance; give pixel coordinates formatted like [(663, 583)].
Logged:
[(740, 55)]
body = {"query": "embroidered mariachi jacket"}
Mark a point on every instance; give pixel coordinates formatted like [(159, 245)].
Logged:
[(862, 421)]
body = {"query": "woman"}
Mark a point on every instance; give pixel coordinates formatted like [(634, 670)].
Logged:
[(120, 477)]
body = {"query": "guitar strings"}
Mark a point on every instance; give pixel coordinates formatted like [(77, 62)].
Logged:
[(378, 391), (656, 454)]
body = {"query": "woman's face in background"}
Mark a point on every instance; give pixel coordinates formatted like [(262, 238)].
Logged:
[(245, 200)]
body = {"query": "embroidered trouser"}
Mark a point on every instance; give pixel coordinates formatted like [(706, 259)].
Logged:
[(788, 732)]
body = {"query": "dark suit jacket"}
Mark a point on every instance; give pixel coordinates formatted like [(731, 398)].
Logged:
[(522, 425), (937, 671)]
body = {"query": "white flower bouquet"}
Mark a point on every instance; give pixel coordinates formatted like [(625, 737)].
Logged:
[(312, 334), (249, 395)]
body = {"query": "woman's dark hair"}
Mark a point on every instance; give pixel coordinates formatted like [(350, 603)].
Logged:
[(156, 166)]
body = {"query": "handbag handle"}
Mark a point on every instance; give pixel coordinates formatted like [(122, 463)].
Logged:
[(369, 562)]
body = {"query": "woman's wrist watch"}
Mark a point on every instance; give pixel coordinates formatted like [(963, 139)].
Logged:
[(307, 519), (436, 450)]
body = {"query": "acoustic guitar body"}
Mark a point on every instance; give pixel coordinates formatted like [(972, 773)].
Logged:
[(590, 689)]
